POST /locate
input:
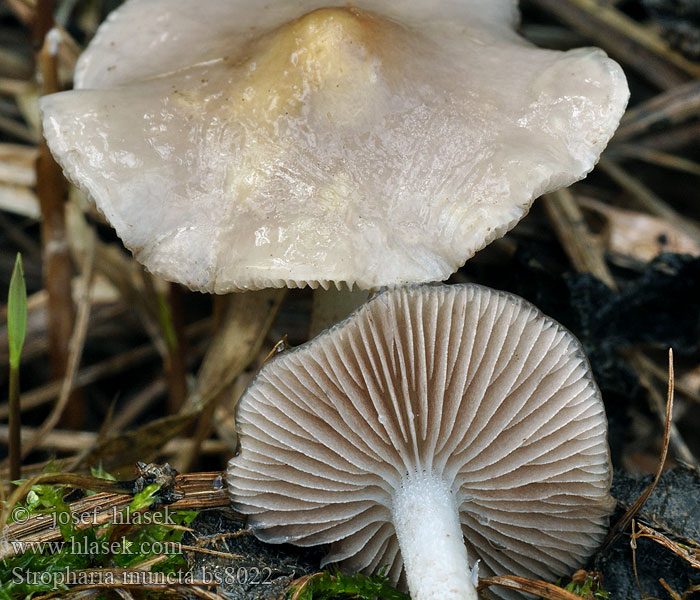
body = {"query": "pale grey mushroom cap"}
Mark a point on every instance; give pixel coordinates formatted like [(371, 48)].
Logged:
[(234, 147), (471, 385)]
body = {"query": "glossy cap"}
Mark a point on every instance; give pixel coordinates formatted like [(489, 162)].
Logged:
[(238, 145)]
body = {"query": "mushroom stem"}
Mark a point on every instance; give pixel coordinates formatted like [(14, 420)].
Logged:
[(426, 519)]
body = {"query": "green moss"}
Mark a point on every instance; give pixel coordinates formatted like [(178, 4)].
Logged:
[(129, 540), (327, 586)]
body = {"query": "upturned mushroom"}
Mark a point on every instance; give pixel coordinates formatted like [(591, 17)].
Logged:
[(437, 426), (240, 145)]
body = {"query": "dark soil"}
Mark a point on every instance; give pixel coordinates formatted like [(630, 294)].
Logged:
[(250, 569), (672, 509)]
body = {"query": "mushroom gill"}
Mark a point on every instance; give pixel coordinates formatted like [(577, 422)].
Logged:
[(432, 412)]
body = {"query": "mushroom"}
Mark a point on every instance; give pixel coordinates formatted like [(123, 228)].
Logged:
[(239, 145), (437, 426)]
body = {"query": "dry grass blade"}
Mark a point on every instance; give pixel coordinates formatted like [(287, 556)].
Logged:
[(195, 491), (648, 200), (24, 9), (630, 236), (686, 552), (654, 157), (73, 480), (75, 346), (299, 585), (19, 200), (625, 39), (209, 552), (233, 348), (668, 108), (680, 449), (52, 191), (584, 251), (674, 595), (60, 440), (245, 324), (17, 164), (545, 590), (109, 579), (673, 139), (111, 366), (247, 315), (18, 130), (632, 511)]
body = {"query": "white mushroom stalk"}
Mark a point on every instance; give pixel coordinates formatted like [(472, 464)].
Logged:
[(436, 426), (426, 519), (237, 145)]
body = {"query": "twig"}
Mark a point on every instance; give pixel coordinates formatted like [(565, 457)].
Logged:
[(624, 38), (647, 199), (246, 322), (193, 491), (93, 373), (654, 157), (176, 360), (52, 192), (545, 590), (671, 107), (77, 341), (62, 440), (632, 511), (689, 553), (656, 402), (581, 247)]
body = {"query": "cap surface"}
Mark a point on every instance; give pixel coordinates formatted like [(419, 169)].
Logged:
[(235, 145), (464, 383)]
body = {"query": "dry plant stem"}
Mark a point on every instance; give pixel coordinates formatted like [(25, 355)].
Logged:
[(632, 511), (76, 343), (685, 551), (231, 351), (661, 374), (52, 191), (584, 251), (61, 440), (245, 322), (579, 243), (671, 107), (674, 595), (108, 367), (673, 139), (542, 589), (625, 39), (26, 245), (680, 449), (647, 199), (202, 432), (654, 157), (17, 130), (23, 9), (195, 491), (177, 372), (15, 426), (41, 20)]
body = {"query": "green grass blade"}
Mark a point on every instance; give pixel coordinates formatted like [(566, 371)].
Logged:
[(16, 312)]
